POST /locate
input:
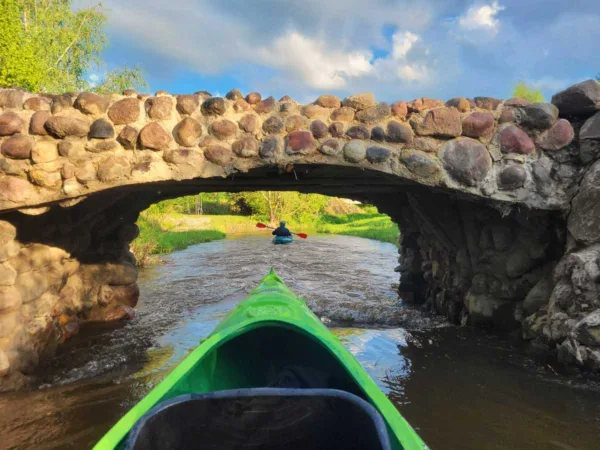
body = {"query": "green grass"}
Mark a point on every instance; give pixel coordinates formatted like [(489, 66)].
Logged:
[(179, 240), (371, 226)]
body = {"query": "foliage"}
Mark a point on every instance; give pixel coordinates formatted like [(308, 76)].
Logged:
[(156, 236), (47, 46), (521, 90), (117, 80), (370, 225)]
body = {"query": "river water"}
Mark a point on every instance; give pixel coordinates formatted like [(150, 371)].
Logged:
[(459, 388)]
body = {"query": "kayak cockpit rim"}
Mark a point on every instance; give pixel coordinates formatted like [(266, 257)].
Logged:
[(220, 338)]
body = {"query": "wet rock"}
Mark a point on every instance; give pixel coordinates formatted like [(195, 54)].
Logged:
[(488, 103), (154, 137), (38, 120), (378, 134), (234, 95), (223, 129), (589, 139), (312, 111), (273, 125), (329, 101), (578, 100), (330, 147), (17, 147), (359, 101), (399, 132), (36, 104), (89, 103), (399, 109), (11, 98), (539, 115), (587, 330), (44, 151), (253, 98), (336, 129), (218, 154), (63, 126), (249, 123), (420, 164), (343, 114), (462, 104), (295, 122), (300, 143), (187, 104), (519, 263), (538, 296), (50, 180), (355, 151), (159, 108), (188, 132), (442, 122), (374, 114), (214, 106), (512, 177), (559, 136), (478, 124), (128, 137), (267, 106), (466, 160), (358, 132), (585, 210), (515, 140), (319, 129), (246, 147), (124, 111), (101, 129), (270, 146), (377, 154), (11, 123)]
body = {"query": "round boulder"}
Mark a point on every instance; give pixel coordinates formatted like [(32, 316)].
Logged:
[(154, 137), (17, 147), (512, 177), (270, 146), (10, 123), (101, 129), (329, 101), (187, 104), (223, 129), (558, 136), (399, 132), (218, 154), (360, 101), (358, 132), (478, 124), (272, 125), (330, 147), (188, 132), (515, 140), (343, 114), (300, 143), (466, 160), (214, 106), (249, 123), (355, 151), (63, 126), (246, 147), (319, 129), (124, 111), (89, 103)]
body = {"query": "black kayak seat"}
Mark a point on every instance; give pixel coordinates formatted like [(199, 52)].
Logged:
[(262, 418)]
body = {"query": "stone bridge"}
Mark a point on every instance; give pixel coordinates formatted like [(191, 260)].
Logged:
[(498, 201)]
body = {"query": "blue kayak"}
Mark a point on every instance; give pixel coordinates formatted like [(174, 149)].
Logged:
[(283, 239)]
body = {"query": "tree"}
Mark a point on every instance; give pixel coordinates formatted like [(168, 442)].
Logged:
[(521, 90), (46, 46)]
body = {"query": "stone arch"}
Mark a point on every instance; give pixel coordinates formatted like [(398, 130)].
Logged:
[(481, 189)]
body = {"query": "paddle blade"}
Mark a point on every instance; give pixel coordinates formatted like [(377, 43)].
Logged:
[(302, 235), (261, 225)]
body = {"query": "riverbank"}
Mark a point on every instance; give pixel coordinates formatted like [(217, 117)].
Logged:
[(164, 232)]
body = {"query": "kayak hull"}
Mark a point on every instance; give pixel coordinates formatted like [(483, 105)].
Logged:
[(272, 329), (278, 240)]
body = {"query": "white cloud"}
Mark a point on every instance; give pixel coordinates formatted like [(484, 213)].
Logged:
[(481, 17), (409, 60), (314, 62)]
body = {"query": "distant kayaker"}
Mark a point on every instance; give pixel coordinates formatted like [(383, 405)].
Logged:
[(281, 230)]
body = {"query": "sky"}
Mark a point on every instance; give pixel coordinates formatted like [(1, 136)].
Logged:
[(398, 49)]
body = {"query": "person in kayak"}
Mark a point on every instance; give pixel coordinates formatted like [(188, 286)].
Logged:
[(281, 230)]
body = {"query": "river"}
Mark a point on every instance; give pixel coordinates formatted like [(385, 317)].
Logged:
[(459, 388)]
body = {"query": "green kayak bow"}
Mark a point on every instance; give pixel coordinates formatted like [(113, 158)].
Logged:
[(269, 330)]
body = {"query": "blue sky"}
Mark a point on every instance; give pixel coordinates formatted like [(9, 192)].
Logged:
[(398, 49)]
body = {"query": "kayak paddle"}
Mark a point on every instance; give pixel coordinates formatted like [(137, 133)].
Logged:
[(300, 235)]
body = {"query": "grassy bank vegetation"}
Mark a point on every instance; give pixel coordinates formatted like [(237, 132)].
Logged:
[(176, 224)]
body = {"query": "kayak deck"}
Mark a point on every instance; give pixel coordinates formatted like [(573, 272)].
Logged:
[(268, 336), (283, 240)]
